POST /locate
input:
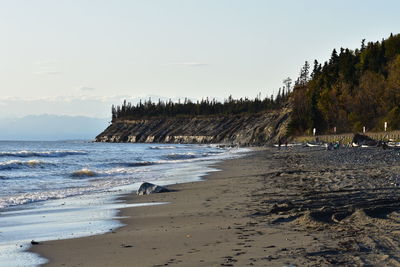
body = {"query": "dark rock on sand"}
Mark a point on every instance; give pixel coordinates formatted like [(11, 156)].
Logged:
[(149, 188)]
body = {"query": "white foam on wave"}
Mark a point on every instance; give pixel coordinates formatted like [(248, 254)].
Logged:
[(93, 185), (115, 171), (53, 153), (25, 198), (99, 185)]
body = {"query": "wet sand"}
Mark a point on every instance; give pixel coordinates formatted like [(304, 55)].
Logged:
[(302, 207)]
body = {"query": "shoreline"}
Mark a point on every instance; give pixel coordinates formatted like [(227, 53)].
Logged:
[(288, 207), (213, 222), (126, 215), (73, 213)]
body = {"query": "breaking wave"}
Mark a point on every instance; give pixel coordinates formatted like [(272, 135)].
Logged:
[(177, 156), (141, 163), (132, 164), (83, 173), (104, 167), (25, 198), (48, 154), (162, 147), (174, 158), (16, 164)]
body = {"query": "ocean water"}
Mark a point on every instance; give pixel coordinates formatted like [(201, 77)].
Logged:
[(58, 190)]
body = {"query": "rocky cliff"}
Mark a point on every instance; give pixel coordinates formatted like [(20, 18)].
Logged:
[(254, 129)]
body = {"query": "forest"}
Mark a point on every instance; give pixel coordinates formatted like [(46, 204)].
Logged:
[(353, 89), (205, 107)]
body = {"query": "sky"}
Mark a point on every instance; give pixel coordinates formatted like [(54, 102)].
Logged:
[(77, 57)]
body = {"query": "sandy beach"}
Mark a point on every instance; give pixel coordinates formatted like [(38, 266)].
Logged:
[(297, 207)]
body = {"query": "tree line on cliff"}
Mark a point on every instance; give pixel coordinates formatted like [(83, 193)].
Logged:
[(353, 89), (204, 107)]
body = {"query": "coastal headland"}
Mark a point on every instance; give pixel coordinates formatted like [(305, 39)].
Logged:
[(242, 129), (288, 207)]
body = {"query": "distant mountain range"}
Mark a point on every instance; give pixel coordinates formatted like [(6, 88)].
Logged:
[(51, 127)]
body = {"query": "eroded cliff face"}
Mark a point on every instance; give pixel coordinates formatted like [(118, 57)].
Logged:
[(255, 129)]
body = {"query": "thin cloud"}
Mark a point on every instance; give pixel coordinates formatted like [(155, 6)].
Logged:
[(188, 64), (115, 99), (71, 98), (48, 72), (45, 62), (47, 67), (86, 89)]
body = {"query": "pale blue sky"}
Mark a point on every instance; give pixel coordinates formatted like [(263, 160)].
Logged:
[(72, 51)]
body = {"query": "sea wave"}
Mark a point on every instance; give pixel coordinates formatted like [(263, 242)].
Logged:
[(172, 158), (26, 198), (49, 154), (120, 171), (141, 163), (84, 173), (32, 197), (178, 156), (17, 164), (100, 174), (162, 147), (130, 164), (213, 152), (101, 177)]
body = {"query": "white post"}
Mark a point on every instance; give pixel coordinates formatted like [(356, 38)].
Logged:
[(334, 129), (385, 126), (364, 129), (314, 131)]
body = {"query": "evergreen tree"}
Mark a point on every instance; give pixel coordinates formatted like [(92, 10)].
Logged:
[(352, 89)]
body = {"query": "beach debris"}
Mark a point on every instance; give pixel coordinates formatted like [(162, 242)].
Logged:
[(149, 188), (33, 242)]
